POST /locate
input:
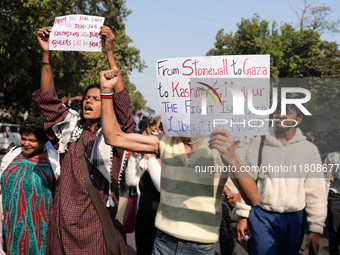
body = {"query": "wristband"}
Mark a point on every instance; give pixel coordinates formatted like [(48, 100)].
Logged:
[(106, 97), (46, 63), (106, 93)]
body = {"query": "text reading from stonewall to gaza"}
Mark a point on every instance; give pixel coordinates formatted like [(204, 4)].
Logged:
[(176, 92), (76, 33)]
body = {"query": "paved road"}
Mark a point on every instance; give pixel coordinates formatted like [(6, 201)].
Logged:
[(322, 251), (238, 251)]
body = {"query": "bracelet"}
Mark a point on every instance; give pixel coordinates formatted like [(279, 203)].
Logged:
[(106, 93), (45, 63), (106, 96)]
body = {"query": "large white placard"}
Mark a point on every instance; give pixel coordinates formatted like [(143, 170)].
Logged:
[(196, 96), (76, 33)]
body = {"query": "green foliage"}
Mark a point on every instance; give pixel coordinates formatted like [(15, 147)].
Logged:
[(137, 100), (20, 53), (293, 54)]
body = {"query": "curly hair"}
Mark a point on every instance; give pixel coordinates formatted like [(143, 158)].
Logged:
[(34, 126)]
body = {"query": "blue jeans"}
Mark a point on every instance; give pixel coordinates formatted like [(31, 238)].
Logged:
[(276, 233), (169, 245)]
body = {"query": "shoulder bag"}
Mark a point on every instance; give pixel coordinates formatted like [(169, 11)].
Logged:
[(131, 211), (113, 230)]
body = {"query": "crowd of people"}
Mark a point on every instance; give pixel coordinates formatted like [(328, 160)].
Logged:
[(48, 206), (327, 142)]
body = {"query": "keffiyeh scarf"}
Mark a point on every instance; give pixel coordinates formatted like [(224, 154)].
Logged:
[(68, 131)]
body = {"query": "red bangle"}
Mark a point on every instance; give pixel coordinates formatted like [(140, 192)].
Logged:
[(106, 97)]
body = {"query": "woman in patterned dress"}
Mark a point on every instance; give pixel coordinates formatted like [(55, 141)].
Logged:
[(28, 185)]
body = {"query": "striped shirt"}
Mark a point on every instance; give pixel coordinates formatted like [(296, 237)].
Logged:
[(190, 207)]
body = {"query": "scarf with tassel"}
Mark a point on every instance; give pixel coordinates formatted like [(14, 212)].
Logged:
[(68, 131)]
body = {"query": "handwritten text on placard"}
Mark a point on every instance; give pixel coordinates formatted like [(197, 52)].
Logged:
[(76, 33), (196, 92)]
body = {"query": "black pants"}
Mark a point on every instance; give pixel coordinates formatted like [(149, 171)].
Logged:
[(145, 235), (334, 222), (226, 238)]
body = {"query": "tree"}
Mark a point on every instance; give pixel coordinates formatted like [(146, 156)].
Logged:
[(317, 18), (137, 101), (253, 36), (293, 54), (20, 53)]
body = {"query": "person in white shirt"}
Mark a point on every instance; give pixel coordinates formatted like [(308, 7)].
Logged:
[(287, 198)]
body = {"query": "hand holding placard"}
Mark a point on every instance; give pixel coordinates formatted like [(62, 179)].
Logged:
[(43, 37), (107, 38), (77, 33)]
